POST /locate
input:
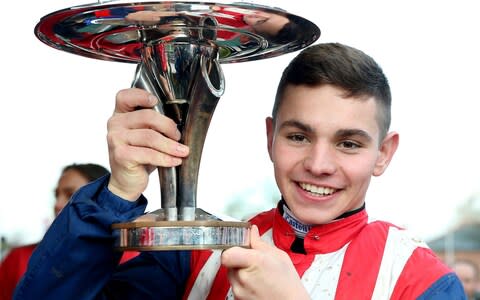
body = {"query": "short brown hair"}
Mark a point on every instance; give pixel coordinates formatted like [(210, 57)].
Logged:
[(342, 66)]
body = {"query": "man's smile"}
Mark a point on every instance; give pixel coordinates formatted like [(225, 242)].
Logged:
[(316, 190)]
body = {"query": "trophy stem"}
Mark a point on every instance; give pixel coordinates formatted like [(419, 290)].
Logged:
[(208, 86), (188, 80), (167, 176)]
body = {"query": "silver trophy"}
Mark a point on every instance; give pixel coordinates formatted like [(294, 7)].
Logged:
[(178, 48)]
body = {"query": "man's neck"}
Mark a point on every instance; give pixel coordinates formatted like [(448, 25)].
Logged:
[(301, 228)]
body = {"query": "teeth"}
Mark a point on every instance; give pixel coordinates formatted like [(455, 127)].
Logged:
[(317, 189)]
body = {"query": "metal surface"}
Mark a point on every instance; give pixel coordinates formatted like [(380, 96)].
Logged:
[(118, 31), (189, 82), (178, 48), (206, 232)]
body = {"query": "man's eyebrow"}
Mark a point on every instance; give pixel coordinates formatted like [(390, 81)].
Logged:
[(340, 134), (296, 124), (345, 133)]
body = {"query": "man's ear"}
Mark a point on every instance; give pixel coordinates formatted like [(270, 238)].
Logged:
[(270, 128), (386, 151)]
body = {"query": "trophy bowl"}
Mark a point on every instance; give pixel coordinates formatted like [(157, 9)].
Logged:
[(178, 48)]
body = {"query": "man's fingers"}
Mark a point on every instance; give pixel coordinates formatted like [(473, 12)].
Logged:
[(127, 116), (144, 119), (237, 257), (129, 99), (137, 156), (146, 138), (255, 239)]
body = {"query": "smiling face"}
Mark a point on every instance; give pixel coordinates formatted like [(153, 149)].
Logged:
[(325, 148)]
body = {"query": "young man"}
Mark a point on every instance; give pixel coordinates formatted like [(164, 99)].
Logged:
[(328, 134)]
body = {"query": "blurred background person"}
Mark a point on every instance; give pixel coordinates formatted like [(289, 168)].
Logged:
[(71, 179), (468, 271)]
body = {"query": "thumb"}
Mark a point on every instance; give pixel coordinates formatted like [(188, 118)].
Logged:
[(256, 241)]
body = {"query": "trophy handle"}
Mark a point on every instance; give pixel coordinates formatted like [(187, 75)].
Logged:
[(218, 77)]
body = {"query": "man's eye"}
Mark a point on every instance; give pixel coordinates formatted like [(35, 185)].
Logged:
[(349, 145), (298, 138)]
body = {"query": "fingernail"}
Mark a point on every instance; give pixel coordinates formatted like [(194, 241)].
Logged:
[(176, 161), (152, 99), (182, 148)]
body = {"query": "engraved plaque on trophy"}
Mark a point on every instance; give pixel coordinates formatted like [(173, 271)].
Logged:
[(178, 48)]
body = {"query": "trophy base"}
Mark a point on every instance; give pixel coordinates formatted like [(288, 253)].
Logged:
[(152, 232)]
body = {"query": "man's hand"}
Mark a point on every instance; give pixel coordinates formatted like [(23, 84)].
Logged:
[(139, 140), (262, 272)]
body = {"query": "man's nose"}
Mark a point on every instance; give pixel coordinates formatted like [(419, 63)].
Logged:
[(60, 203), (321, 159)]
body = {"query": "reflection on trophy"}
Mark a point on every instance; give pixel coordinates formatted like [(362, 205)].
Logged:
[(178, 48)]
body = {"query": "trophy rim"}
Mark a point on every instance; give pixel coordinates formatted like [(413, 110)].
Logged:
[(96, 44)]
